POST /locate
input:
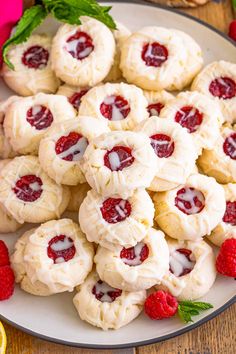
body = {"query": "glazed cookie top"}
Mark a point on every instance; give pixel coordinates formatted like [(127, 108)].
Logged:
[(32, 63), (197, 113), (174, 149), (147, 261), (154, 58), (121, 106), (218, 81), (58, 255), (61, 151), (83, 55), (107, 307), (117, 163), (25, 189), (27, 119), (191, 269), (195, 208), (104, 219), (220, 162)]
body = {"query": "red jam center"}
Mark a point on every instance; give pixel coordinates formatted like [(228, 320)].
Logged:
[(115, 210), (154, 109), (223, 87), (154, 54), (162, 145), (230, 213), (75, 99), (61, 249), (80, 45), (35, 57), (229, 146), (181, 262), (28, 188), (104, 292), (190, 200), (118, 158), (71, 147), (190, 118), (136, 255), (115, 108), (39, 117)]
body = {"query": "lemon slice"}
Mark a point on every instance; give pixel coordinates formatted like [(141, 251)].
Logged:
[(3, 339)]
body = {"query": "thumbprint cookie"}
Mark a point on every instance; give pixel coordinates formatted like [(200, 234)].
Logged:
[(32, 71), (83, 55)]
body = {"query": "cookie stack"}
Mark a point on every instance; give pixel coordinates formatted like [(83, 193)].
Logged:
[(142, 169)]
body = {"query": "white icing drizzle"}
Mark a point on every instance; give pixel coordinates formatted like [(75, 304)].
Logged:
[(187, 116), (78, 148), (120, 208), (104, 288), (150, 55), (59, 260), (232, 142), (153, 112), (72, 47), (35, 186), (114, 160), (137, 252), (179, 262), (188, 196), (116, 112), (62, 245), (36, 109)]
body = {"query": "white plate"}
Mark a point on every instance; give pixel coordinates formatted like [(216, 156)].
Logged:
[(55, 318)]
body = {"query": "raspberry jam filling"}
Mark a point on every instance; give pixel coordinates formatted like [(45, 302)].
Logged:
[(115, 108), (182, 262), (28, 188), (61, 249), (39, 117), (154, 109), (115, 210), (229, 146), (154, 54), (118, 158), (190, 200), (223, 87), (104, 292), (35, 57), (190, 118), (230, 213), (80, 45), (75, 99), (162, 145), (136, 255), (71, 147)]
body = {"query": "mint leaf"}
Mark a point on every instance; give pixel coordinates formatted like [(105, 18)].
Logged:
[(187, 309), (28, 22), (234, 4), (70, 11)]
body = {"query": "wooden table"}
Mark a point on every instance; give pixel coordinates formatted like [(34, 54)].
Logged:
[(215, 337)]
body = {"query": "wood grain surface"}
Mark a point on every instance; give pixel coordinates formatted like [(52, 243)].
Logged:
[(214, 337)]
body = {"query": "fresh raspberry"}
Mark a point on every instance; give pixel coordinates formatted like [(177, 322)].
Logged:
[(232, 30), (160, 304), (4, 255), (7, 280), (226, 259)]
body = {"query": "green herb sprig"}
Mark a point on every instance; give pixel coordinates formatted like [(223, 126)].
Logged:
[(187, 309), (68, 11)]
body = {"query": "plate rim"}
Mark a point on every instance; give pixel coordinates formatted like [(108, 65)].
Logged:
[(128, 345), (183, 330)]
